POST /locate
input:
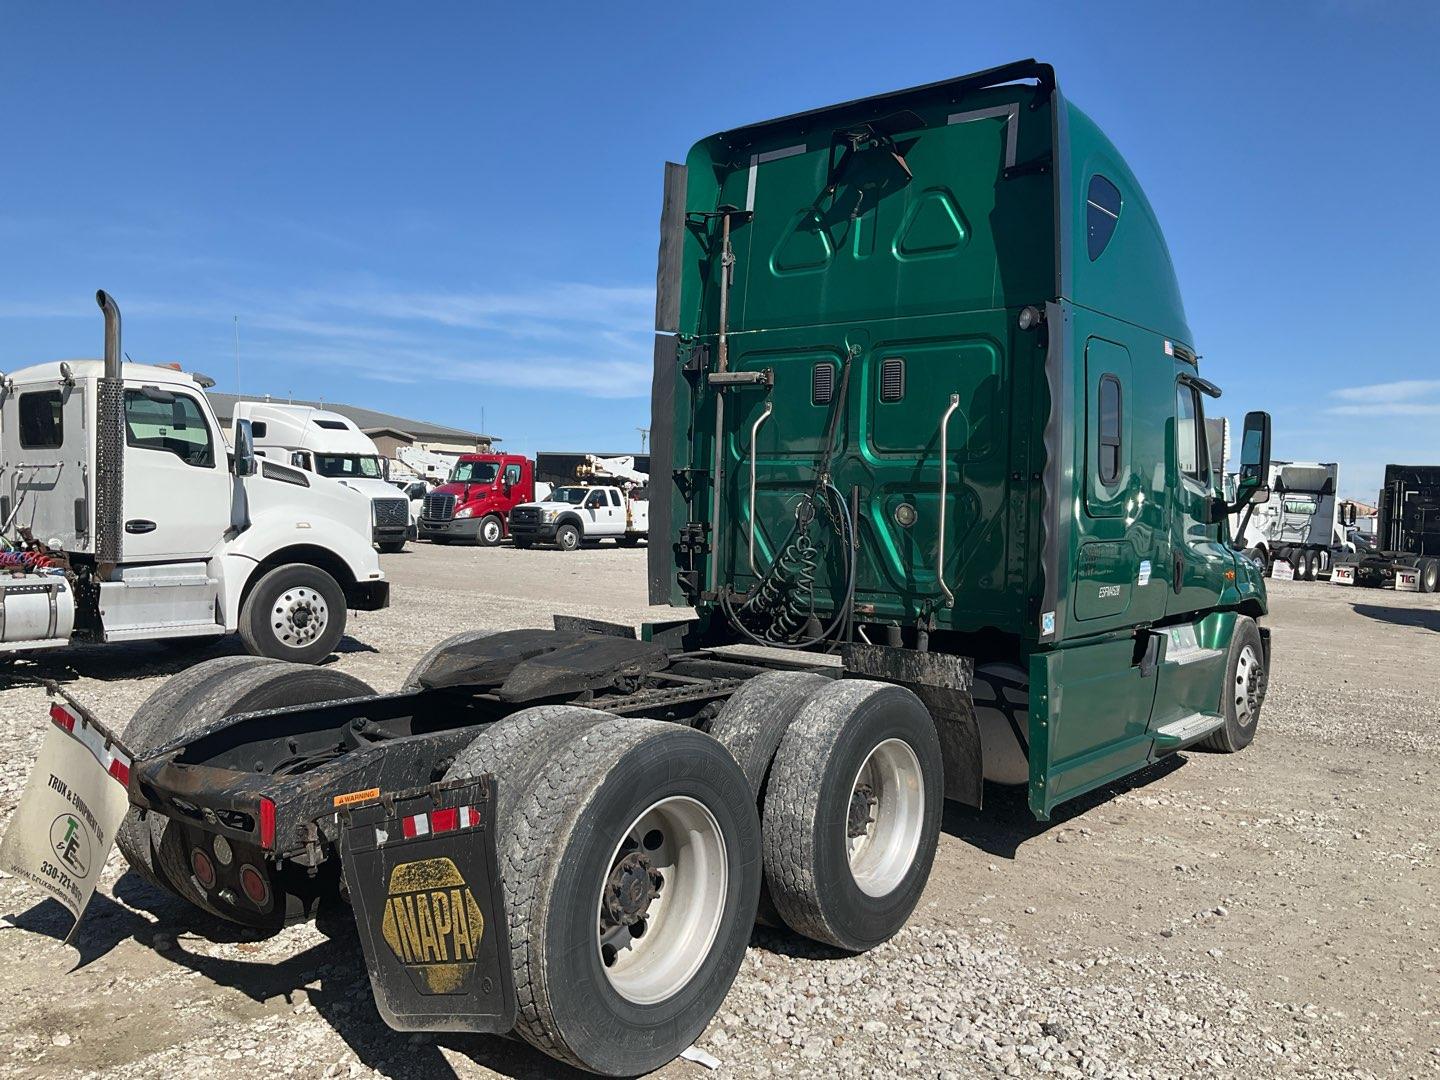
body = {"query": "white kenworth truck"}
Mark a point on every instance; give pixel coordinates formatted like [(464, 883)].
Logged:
[(123, 517), (328, 443)]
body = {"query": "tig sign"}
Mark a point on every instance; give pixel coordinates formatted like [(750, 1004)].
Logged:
[(75, 799)]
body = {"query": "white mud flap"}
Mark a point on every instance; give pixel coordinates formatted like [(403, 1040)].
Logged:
[(75, 799), (1342, 575), (1281, 570), (1407, 579)]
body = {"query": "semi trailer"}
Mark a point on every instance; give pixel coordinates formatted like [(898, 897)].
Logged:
[(125, 517), (1406, 549), (924, 399)]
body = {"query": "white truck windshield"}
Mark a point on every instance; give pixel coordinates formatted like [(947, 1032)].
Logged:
[(475, 472), (348, 466)]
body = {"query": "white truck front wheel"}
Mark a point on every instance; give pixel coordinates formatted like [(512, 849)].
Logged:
[(294, 613)]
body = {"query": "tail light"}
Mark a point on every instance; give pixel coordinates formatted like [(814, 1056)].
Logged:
[(203, 868), (267, 823), (257, 889)]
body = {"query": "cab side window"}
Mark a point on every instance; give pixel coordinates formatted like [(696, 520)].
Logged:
[(614, 498), (168, 422), (41, 424), (512, 474), (1192, 454), (595, 501), (1102, 214)]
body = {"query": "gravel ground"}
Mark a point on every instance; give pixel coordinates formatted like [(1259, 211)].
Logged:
[(1272, 914)]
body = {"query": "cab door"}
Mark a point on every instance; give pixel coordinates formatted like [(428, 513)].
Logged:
[(600, 515), (177, 478), (1199, 556)]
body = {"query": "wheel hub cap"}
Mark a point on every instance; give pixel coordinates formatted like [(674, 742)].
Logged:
[(300, 616), (1249, 686), (630, 888)]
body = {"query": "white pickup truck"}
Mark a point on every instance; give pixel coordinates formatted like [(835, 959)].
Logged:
[(574, 516)]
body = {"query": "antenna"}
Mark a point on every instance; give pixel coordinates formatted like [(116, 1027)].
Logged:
[(237, 355)]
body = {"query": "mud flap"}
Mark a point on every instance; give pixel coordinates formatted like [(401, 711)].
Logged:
[(425, 888)]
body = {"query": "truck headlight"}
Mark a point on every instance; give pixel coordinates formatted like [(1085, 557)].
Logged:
[(465, 511), (547, 516)]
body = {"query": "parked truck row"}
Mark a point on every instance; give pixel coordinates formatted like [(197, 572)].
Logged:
[(125, 516), (1306, 532), (924, 396)]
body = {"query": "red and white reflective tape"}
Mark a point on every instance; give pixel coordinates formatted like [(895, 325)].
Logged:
[(111, 758), (437, 821)]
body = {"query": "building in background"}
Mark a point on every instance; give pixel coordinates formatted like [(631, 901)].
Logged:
[(390, 433)]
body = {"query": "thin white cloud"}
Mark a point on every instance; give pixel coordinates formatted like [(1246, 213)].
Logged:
[(1403, 397), (578, 338)]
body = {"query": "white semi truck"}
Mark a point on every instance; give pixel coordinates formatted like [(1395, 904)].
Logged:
[(125, 518), (331, 444), (1300, 525)]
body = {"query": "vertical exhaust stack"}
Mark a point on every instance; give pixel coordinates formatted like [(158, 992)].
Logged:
[(109, 446)]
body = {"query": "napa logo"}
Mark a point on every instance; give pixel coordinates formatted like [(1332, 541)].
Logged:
[(70, 843), (433, 925)]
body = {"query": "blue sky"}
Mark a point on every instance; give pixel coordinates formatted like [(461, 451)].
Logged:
[(439, 209)]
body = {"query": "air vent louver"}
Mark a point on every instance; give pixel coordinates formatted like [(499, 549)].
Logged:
[(822, 384), (892, 379)]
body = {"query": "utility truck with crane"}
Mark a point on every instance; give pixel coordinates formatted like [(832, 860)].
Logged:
[(924, 398), (612, 502), (125, 518)]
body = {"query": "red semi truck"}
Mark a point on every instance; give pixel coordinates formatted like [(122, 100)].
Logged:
[(474, 504)]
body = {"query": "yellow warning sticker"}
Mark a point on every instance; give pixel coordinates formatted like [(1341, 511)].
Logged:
[(432, 923), (350, 798)]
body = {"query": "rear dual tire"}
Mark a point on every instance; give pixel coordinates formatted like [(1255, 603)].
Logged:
[(158, 848), (603, 826), (851, 786), (1429, 571)]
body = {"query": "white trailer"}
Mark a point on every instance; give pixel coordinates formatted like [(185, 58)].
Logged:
[(123, 517), (330, 444)]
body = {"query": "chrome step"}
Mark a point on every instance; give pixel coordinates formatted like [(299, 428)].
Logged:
[(1186, 730)]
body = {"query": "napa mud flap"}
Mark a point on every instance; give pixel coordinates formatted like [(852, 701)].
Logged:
[(425, 889)]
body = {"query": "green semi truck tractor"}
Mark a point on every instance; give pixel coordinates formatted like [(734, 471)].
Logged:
[(929, 396), (925, 400)]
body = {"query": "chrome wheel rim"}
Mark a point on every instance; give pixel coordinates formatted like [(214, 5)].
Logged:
[(886, 816), (491, 529), (662, 900), (1249, 683), (299, 617)]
